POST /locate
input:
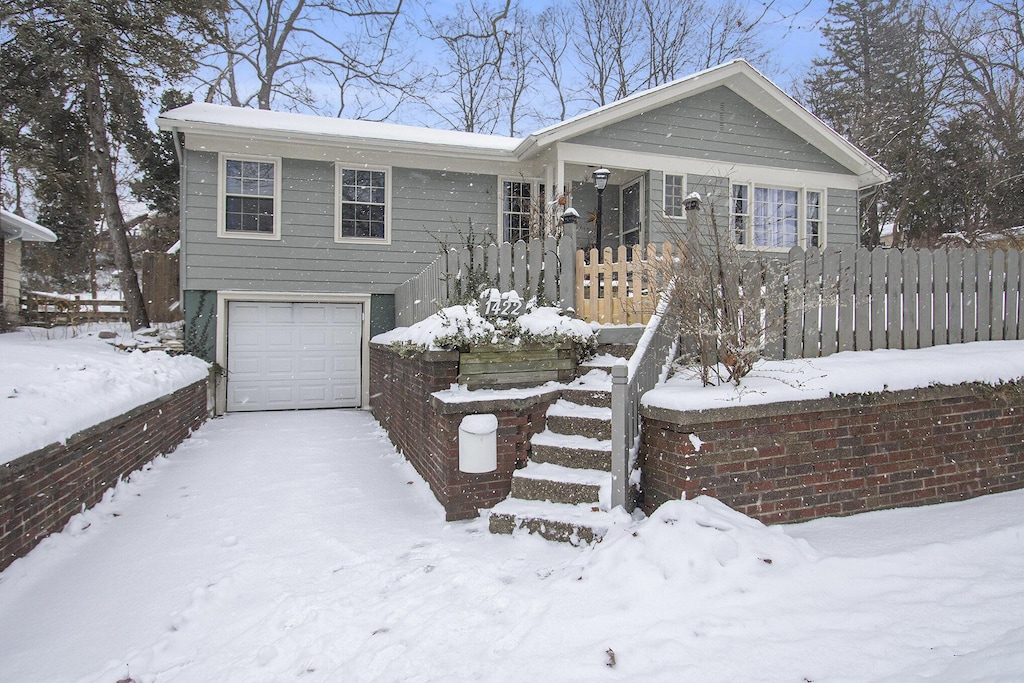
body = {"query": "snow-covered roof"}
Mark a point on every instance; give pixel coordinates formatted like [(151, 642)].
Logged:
[(14, 227), (737, 75), (225, 120), (747, 82)]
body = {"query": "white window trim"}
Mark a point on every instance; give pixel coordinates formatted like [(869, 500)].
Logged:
[(664, 194), (801, 237), (388, 200), (222, 159), (534, 196)]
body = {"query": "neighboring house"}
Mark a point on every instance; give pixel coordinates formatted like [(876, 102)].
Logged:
[(296, 229), (16, 230)]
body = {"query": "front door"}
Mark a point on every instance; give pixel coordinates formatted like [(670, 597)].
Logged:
[(632, 203)]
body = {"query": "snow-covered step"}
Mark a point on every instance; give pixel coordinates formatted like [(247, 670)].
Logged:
[(575, 524), (559, 484), (566, 417), (571, 450)]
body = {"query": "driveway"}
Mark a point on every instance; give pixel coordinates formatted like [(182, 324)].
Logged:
[(300, 546)]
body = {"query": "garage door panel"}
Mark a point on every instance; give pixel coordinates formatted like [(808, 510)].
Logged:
[(347, 316), (294, 355), (277, 313), (243, 312), (313, 338), (312, 314)]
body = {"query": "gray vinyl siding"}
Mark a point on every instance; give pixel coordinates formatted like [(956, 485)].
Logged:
[(842, 227), (717, 125), (426, 208)]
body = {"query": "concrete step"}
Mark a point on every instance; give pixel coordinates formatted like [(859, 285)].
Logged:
[(558, 484), (600, 398), (571, 451), (574, 524), (566, 417)]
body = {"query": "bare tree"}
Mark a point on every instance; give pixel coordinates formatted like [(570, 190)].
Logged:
[(984, 42), (467, 88), (288, 49), (608, 53), (551, 34), (670, 27), (731, 29)]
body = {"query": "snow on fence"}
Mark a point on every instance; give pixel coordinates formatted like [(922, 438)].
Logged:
[(631, 380), (541, 268), (816, 302)]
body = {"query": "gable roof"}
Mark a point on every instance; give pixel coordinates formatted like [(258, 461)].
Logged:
[(747, 82), (14, 227), (737, 75)]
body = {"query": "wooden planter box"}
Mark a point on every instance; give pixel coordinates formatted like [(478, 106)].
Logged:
[(531, 365)]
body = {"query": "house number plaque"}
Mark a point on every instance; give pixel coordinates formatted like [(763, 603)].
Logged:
[(505, 305)]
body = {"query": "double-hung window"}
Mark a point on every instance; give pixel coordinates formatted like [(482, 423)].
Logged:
[(776, 217), (363, 204), (675, 193), (520, 208), (249, 197)]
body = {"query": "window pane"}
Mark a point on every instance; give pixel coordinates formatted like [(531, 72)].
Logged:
[(814, 219), (775, 217), (363, 199), (674, 195), (740, 213)]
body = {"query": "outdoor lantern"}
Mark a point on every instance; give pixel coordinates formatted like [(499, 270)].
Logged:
[(600, 182), (570, 216)]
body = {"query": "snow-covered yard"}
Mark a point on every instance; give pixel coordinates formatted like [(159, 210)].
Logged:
[(299, 545)]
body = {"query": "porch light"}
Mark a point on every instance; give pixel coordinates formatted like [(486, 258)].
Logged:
[(601, 176)]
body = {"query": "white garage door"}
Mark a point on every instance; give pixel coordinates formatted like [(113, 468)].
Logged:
[(283, 356)]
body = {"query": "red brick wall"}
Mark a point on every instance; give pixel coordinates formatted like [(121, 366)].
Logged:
[(801, 460), (40, 491), (426, 430)]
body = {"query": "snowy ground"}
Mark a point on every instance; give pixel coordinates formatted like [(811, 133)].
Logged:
[(300, 546), (54, 383)]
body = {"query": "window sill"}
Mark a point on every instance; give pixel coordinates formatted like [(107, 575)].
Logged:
[(248, 235)]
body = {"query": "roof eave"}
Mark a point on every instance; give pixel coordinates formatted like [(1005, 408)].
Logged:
[(15, 227), (336, 140)]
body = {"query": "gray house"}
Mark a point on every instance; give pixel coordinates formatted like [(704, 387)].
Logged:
[(13, 231), (297, 229)]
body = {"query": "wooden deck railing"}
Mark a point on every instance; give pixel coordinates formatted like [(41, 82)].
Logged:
[(48, 311)]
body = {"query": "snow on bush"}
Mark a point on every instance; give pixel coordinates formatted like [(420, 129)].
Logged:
[(458, 327)]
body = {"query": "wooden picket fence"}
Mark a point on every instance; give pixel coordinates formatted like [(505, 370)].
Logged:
[(541, 268), (621, 287), (860, 299), (815, 302)]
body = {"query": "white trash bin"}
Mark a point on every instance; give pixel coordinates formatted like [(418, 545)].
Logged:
[(478, 444)]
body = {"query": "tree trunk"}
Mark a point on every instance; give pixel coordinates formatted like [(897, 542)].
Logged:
[(135, 305)]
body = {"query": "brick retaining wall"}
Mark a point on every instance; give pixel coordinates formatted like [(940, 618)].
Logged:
[(426, 429), (800, 460), (40, 491)]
